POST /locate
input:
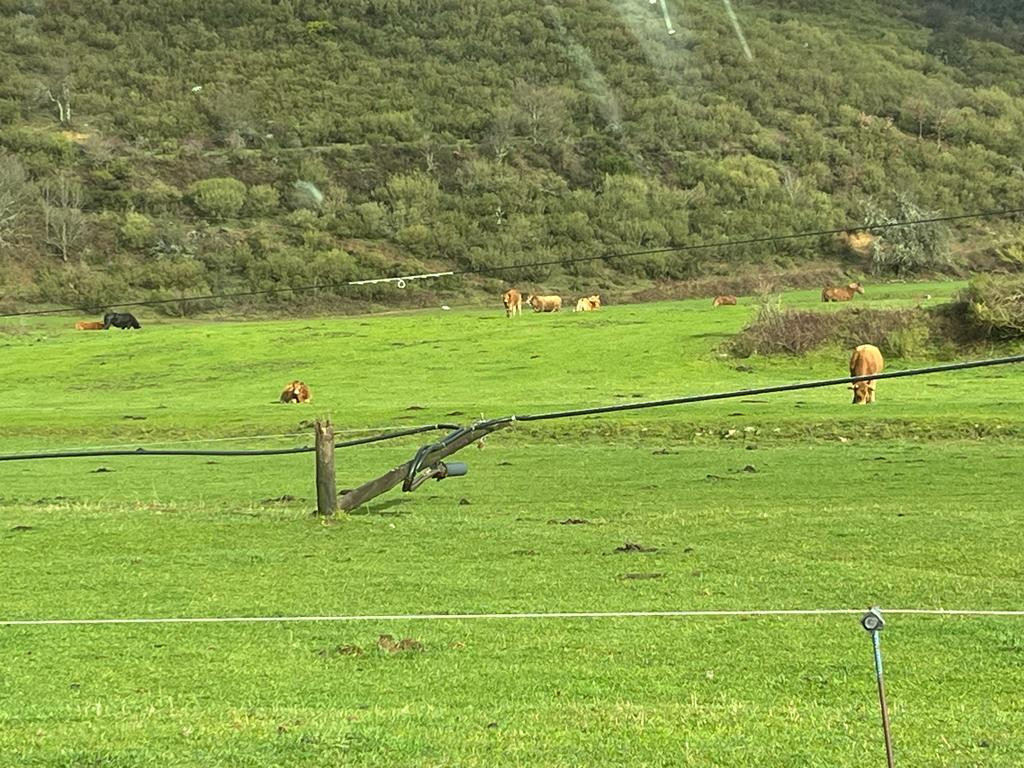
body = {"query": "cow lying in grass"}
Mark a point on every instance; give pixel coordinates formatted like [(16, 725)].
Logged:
[(120, 320), (296, 392), (544, 303), (588, 304), (88, 325), (866, 360), (724, 300)]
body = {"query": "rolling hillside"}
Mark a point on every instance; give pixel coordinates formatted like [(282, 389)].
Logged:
[(165, 149)]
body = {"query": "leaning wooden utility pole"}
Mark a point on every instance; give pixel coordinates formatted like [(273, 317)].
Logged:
[(326, 485)]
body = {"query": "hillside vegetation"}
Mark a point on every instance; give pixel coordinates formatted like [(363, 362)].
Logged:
[(170, 148)]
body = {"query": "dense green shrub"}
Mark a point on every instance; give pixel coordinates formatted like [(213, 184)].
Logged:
[(218, 198), (79, 285), (137, 230), (263, 200)]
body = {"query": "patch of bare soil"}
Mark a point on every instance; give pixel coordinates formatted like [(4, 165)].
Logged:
[(388, 644), (631, 546)]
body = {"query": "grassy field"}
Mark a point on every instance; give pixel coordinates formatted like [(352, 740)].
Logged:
[(788, 501)]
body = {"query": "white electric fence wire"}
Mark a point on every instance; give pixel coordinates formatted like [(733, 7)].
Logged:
[(755, 613)]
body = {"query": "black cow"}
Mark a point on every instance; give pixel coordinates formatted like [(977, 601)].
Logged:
[(120, 320)]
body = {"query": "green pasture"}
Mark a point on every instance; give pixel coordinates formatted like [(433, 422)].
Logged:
[(788, 501)]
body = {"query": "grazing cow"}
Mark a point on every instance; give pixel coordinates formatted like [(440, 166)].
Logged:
[(120, 320), (866, 360), (87, 325), (724, 300), (513, 301), (588, 304), (296, 392), (841, 293), (544, 303)]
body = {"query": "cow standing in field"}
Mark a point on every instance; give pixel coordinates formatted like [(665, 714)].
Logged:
[(724, 300), (296, 392), (513, 301), (544, 303), (841, 293), (588, 304), (866, 360), (120, 320), (88, 325)]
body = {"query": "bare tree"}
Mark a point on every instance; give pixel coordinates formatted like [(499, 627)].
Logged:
[(542, 112), (13, 190), (62, 215), (62, 100)]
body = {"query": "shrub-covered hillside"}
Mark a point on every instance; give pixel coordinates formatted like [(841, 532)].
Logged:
[(164, 148)]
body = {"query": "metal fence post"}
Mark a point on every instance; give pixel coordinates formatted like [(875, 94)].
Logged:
[(873, 622)]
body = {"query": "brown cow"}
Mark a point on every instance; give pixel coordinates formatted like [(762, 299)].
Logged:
[(544, 303), (296, 392), (86, 325), (513, 301), (724, 300), (588, 304), (841, 293), (866, 360)]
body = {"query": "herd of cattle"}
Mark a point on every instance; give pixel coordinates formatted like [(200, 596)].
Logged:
[(513, 300), (865, 361)]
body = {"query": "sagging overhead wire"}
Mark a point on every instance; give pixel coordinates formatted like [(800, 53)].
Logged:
[(429, 455), (755, 391), (401, 280), (139, 451)]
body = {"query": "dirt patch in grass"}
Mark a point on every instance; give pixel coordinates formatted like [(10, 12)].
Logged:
[(388, 644), (641, 576), (340, 650), (631, 546)]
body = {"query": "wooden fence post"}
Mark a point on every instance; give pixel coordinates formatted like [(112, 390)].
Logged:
[(326, 485)]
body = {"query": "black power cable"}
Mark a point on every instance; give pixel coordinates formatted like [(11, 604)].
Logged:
[(746, 392), (551, 262), (748, 241), (458, 431), (578, 412), (188, 452)]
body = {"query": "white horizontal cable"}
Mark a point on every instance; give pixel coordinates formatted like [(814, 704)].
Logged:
[(515, 616)]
